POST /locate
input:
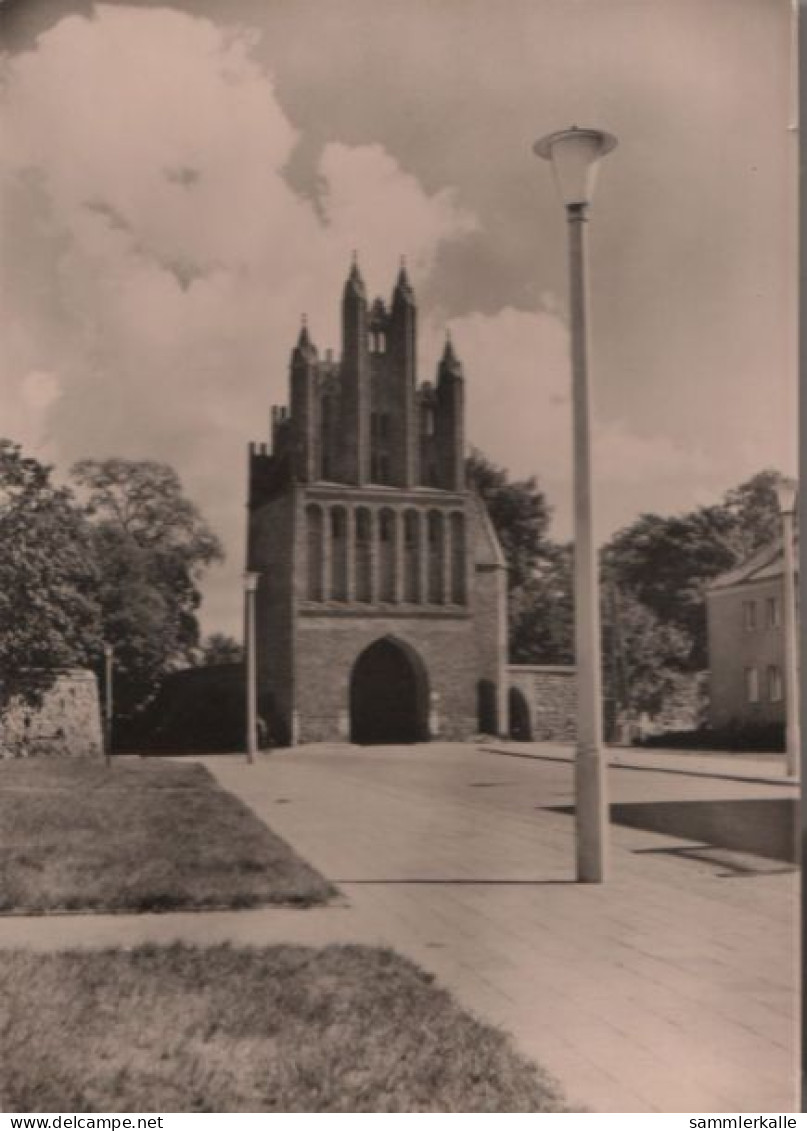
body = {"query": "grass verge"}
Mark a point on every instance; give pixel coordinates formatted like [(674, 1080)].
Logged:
[(290, 1029), (141, 836)]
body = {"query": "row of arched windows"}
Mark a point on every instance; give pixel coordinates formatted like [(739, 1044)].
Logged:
[(367, 554)]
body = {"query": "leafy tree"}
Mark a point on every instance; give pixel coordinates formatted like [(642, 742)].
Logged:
[(666, 563), (542, 611), (539, 570), (152, 546), (519, 512), (219, 648), (49, 615)]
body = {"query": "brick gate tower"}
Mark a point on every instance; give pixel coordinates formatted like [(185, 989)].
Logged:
[(381, 605)]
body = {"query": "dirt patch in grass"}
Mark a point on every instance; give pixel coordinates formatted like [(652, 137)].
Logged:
[(189, 1029), (141, 836)]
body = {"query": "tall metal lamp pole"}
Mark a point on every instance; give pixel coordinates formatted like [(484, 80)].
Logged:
[(250, 587), (574, 155), (109, 653), (786, 491)]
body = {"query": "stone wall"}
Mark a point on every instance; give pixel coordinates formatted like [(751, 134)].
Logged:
[(550, 695), (53, 716)]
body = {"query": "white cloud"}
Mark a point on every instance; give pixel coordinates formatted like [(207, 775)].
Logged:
[(519, 413), (162, 259)]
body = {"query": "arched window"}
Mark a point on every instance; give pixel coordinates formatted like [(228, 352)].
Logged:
[(436, 557), (363, 555), (387, 545), (338, 554), (313, 515), (457, 522), (412, 557)]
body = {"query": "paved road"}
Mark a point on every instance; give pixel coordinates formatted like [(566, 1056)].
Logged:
[(670, 988)]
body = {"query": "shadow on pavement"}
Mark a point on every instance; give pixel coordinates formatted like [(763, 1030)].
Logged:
[(760, 826)]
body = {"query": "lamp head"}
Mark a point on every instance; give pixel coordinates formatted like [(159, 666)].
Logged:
[(575, 155), (786, 492), (251, 581)]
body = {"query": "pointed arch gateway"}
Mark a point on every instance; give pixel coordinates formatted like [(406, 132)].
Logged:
[(389, 694)]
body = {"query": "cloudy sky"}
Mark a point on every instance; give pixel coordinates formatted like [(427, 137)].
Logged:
[(181, 181)]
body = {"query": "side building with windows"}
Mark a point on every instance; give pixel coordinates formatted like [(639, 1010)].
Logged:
[(381, 604), (746, 643)]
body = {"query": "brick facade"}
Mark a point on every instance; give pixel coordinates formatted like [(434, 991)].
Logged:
[(362, 530)]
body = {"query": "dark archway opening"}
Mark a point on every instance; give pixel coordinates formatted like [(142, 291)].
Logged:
[(520, 722), (389, 695), (487, 707)]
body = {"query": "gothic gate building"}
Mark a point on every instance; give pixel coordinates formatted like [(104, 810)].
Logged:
[(381, 604)]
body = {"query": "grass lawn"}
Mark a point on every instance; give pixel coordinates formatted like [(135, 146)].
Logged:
[(141, 836), (180, 1028)]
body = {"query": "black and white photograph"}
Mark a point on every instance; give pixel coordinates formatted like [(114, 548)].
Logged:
[(399, 542)]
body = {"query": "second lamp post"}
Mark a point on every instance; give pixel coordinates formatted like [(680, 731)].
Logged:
[(574, 155)]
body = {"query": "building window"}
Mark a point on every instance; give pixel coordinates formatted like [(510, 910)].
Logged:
[(387, 545), (752, 685), (379, 447), (427, 420), (363, 555), (749, 615), (326, 432), (458, 559), (314, 544), (436, 557), (338, 554), (775, 685), (412, 557), (773, 612)]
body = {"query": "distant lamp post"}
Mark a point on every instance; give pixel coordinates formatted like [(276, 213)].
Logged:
[(575, 155), (250, 588), (786, 491), (109, 654)]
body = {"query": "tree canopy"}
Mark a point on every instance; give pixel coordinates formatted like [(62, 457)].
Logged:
[(49, 616), (653, 574), (539, 570), (152, 547)]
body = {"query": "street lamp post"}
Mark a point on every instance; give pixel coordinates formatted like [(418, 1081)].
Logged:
[(109, 653), (574, 155), (250, 587), (786, 490)]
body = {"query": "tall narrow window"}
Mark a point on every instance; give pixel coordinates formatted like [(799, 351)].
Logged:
[(363, 555), (314, 552), (773, 612), (325, 434), (412, 557), (775, 685), (749, 615), (386, 555), (338, 554), (752, 685), (458, 559), (436, 557)]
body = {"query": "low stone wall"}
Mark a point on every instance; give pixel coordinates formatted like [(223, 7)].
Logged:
[(549, 694), (49, 715)]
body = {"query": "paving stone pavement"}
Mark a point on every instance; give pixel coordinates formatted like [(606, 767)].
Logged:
[(672, 987)]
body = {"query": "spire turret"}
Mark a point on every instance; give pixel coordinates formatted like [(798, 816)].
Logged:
[(403, 288), (354, 287), (305, 350), (450, 364)]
